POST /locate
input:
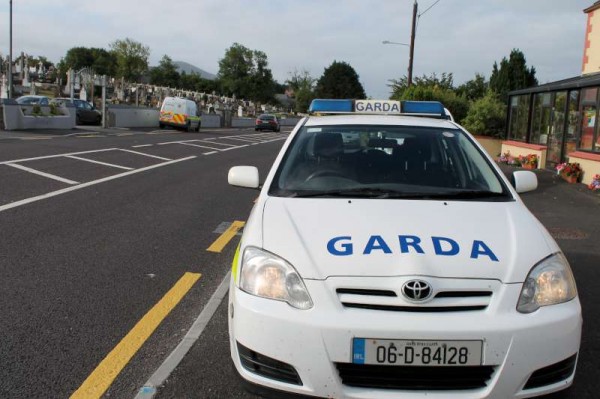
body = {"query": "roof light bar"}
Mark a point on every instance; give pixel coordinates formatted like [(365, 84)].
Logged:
[(390, 107), (433, 108)]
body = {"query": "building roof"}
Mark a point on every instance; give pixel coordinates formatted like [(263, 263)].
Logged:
[(577, 82), (593, 7)]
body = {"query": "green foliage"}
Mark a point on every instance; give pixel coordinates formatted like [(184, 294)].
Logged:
[(445, 82), (245, 74), (100, 60), (195, 82), (302, 86), (512, 74), (165, 74), (36, 110), (425, 91), (339, 80), (132, 58), (473, 89), (487, 116)]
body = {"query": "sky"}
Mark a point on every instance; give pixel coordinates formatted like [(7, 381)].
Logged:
[(463, 37)]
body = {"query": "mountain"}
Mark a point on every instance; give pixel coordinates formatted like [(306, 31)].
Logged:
[(189, 68)]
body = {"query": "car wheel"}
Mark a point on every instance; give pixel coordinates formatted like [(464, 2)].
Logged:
[(99, 120), (161, 125), (188, 127), (77, 120), (256, 129), (198, 127)]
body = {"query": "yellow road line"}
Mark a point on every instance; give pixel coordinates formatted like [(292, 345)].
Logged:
[(102, 377), (224, 239)]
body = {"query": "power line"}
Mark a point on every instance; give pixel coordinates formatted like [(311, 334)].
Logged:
[(430, 7)]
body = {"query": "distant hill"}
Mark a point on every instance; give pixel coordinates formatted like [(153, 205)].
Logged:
[(189, 68)]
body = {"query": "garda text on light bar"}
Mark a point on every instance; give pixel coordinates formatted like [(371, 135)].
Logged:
[(375, 106)]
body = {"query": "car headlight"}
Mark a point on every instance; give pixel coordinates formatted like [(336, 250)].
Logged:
[(550, 282), (268, 276)]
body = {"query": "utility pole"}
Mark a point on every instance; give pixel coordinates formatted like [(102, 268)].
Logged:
[(10, 85), (412, 43)]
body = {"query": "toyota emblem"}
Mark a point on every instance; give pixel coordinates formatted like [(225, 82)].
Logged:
[(416, 290)]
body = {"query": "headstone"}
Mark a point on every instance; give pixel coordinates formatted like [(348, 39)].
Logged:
[(240, 111), (83, 94), (4, 88)]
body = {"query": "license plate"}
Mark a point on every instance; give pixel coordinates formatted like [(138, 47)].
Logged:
[(404, 352)]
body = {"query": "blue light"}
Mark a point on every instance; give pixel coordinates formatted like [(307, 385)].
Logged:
[(423, 107), (331, 106)]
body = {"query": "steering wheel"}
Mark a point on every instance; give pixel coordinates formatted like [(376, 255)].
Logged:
[(325, 172)]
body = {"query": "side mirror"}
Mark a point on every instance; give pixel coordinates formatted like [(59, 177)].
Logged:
[(524, 181), (244, 176)]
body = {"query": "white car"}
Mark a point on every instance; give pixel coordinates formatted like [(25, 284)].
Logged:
[(387, 256)]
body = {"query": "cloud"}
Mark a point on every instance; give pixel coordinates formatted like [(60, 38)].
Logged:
[(454, 36)]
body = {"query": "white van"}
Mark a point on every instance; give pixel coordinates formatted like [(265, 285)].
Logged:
[(179, 112)]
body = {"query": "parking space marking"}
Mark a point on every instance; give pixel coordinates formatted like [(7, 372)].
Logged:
[(87, 184), (57, 155), (157, 379), (241, 139), (144, 154), (40, 173), (142, 145), (216, 142), (202, 146), (211, 153), (227, 235), (235, 148), (98, 162), (105, 373)]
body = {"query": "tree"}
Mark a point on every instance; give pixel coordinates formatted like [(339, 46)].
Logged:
[(245, 73), (512, 74), (445, 82), (302, 86), (339, 80), (100, 60), (132, 58), (165, 74), (487, 116), (473, 89)]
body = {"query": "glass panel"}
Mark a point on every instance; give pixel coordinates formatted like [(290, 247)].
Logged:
[(519, 114), (556, 132), (573, 123), (588, 125), (589, 95), (541, 118)]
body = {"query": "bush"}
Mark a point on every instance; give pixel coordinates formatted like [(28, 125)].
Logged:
[(457, 105), (486, 117)]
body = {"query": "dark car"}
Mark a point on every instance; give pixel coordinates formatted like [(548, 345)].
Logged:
[(267, 122), (32, 100), (86, 113)]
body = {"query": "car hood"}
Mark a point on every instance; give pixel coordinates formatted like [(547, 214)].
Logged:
[(324, 237)]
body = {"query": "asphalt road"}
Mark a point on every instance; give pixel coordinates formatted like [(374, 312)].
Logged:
[(94, 242)]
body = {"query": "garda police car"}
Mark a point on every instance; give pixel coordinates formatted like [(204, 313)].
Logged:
[(387, 256)]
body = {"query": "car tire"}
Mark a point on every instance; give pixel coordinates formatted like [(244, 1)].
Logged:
[(99, 120), (198, 127), (256, 129), (161, 125), (188, 127), (77, 120)]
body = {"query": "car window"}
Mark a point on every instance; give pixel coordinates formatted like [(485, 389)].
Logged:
[(402, 159), (266, 117)]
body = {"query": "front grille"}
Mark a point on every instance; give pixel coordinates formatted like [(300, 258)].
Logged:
[(444, 300), (267, 367), (416, 378), (552, 374)]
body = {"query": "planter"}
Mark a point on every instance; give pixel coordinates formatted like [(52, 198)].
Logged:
[(528, 166), (570, 179)]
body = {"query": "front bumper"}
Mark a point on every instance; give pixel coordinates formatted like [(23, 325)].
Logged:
[(314, 341)]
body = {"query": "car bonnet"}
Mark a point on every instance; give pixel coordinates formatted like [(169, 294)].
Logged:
[(325, 237)]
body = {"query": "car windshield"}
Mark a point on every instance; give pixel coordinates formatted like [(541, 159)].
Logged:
[(266, 117), (386, 162)]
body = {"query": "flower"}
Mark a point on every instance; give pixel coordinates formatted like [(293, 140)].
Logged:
[(529, 160), (504, 157), (569, 169), (595, 184)]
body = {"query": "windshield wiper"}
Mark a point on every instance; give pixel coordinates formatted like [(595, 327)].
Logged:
[(468, 194), (362, 192)]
